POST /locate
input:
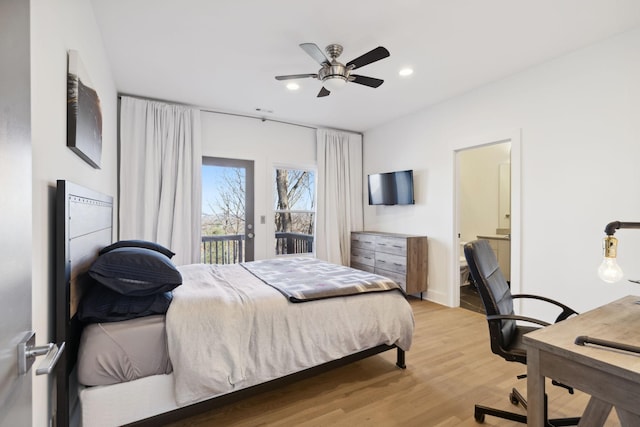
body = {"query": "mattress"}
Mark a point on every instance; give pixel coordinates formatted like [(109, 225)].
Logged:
[(134, 400), (117, 352)]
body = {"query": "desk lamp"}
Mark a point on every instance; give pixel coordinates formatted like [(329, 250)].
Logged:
[(609, 271)]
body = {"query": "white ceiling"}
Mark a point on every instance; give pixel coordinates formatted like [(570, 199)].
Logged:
[(223, 54)]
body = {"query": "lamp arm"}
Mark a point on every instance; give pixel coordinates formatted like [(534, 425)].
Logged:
[(611, 228)]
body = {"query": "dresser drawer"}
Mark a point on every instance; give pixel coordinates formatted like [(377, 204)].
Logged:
[(390, 262), (367, 268), (363, 241), (400, 279), (362, 256), (392, 245)]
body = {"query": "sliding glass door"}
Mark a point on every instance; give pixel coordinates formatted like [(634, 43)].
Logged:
[(227, 211)]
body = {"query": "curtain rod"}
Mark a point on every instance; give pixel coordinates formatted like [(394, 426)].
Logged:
[(120, 95), (264, 119)]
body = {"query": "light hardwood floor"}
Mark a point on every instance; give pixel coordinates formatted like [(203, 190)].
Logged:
[(450, 367)]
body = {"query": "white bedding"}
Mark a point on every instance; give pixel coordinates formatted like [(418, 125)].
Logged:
[(227, 330)]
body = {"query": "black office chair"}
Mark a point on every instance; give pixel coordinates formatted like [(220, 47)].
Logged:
[(505, 334)]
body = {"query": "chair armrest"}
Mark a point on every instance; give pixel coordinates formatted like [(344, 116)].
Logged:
[(566, 311), (517, 317)]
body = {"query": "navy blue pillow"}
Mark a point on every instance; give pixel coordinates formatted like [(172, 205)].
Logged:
[(137, 244), (101, 304), (136, 271)]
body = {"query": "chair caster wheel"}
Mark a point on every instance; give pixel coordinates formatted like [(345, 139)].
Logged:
[(513, 399)]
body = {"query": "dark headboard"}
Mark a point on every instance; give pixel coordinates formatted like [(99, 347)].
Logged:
[(84, 225)]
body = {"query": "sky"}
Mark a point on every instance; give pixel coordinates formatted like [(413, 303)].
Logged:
[(212, 175)]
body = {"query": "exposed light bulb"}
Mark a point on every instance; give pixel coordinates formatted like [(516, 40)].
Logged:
[(609, 271)]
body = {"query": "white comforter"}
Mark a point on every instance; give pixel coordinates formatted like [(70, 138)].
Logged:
[(227, 330)]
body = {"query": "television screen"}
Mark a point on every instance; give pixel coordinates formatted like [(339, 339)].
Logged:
[(391, 188), (404, 187), (381, 191)]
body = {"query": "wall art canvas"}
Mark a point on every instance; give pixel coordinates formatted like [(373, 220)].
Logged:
[(84, 115)]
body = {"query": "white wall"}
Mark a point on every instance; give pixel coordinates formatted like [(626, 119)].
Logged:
[(479, 170), (268, 144), (578, 117), (57, 26)]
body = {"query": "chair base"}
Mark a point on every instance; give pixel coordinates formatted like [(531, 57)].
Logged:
[(481, 411), (516, 398)]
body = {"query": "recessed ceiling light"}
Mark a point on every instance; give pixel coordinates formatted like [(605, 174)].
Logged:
[(293, 86), (405, 72)]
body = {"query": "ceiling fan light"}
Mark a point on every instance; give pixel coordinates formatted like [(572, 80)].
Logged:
[(334, 83), (293, 86)]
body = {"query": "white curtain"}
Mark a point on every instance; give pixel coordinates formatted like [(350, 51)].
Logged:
[(160, 187), (339, 194)]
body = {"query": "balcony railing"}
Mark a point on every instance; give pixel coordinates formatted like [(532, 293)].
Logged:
[(222, 249), (293, 243), (229, 248)]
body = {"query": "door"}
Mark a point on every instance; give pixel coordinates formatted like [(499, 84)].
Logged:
[(15, 200), (507, 215), (484, 208), (228, 230)]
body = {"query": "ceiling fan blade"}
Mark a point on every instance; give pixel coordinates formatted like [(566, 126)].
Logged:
[(367, 81), (315, 52), (372, 56), (323, 92), (296, 76)]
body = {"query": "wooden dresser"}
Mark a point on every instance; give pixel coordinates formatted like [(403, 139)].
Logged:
[(400, 257)]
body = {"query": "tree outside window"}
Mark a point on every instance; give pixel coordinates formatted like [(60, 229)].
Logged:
[(223, 214), (294, 211)]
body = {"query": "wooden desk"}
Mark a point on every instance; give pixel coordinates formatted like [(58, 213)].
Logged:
[(611, 377)]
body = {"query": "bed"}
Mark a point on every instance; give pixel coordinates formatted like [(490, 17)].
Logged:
[(180, 383)]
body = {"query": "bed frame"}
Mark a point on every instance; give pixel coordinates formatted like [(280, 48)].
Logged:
[(84, 225), (84, 221)]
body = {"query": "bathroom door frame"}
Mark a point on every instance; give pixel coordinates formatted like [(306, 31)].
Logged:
[(513, 137)]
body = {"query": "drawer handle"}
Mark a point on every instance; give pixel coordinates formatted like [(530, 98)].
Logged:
[(398, 246), (399, 265)]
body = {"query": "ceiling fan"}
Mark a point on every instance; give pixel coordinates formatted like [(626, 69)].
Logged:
[(334, 74)]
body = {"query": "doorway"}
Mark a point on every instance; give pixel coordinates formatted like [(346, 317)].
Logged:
[(227, 229), (487, 206)]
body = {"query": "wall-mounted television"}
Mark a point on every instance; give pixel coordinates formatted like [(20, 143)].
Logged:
[(391, 188)]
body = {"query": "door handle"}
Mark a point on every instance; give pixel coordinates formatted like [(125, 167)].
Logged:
[(27, 353)]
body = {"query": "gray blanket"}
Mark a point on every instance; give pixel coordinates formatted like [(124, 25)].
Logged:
[(304, 279)]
